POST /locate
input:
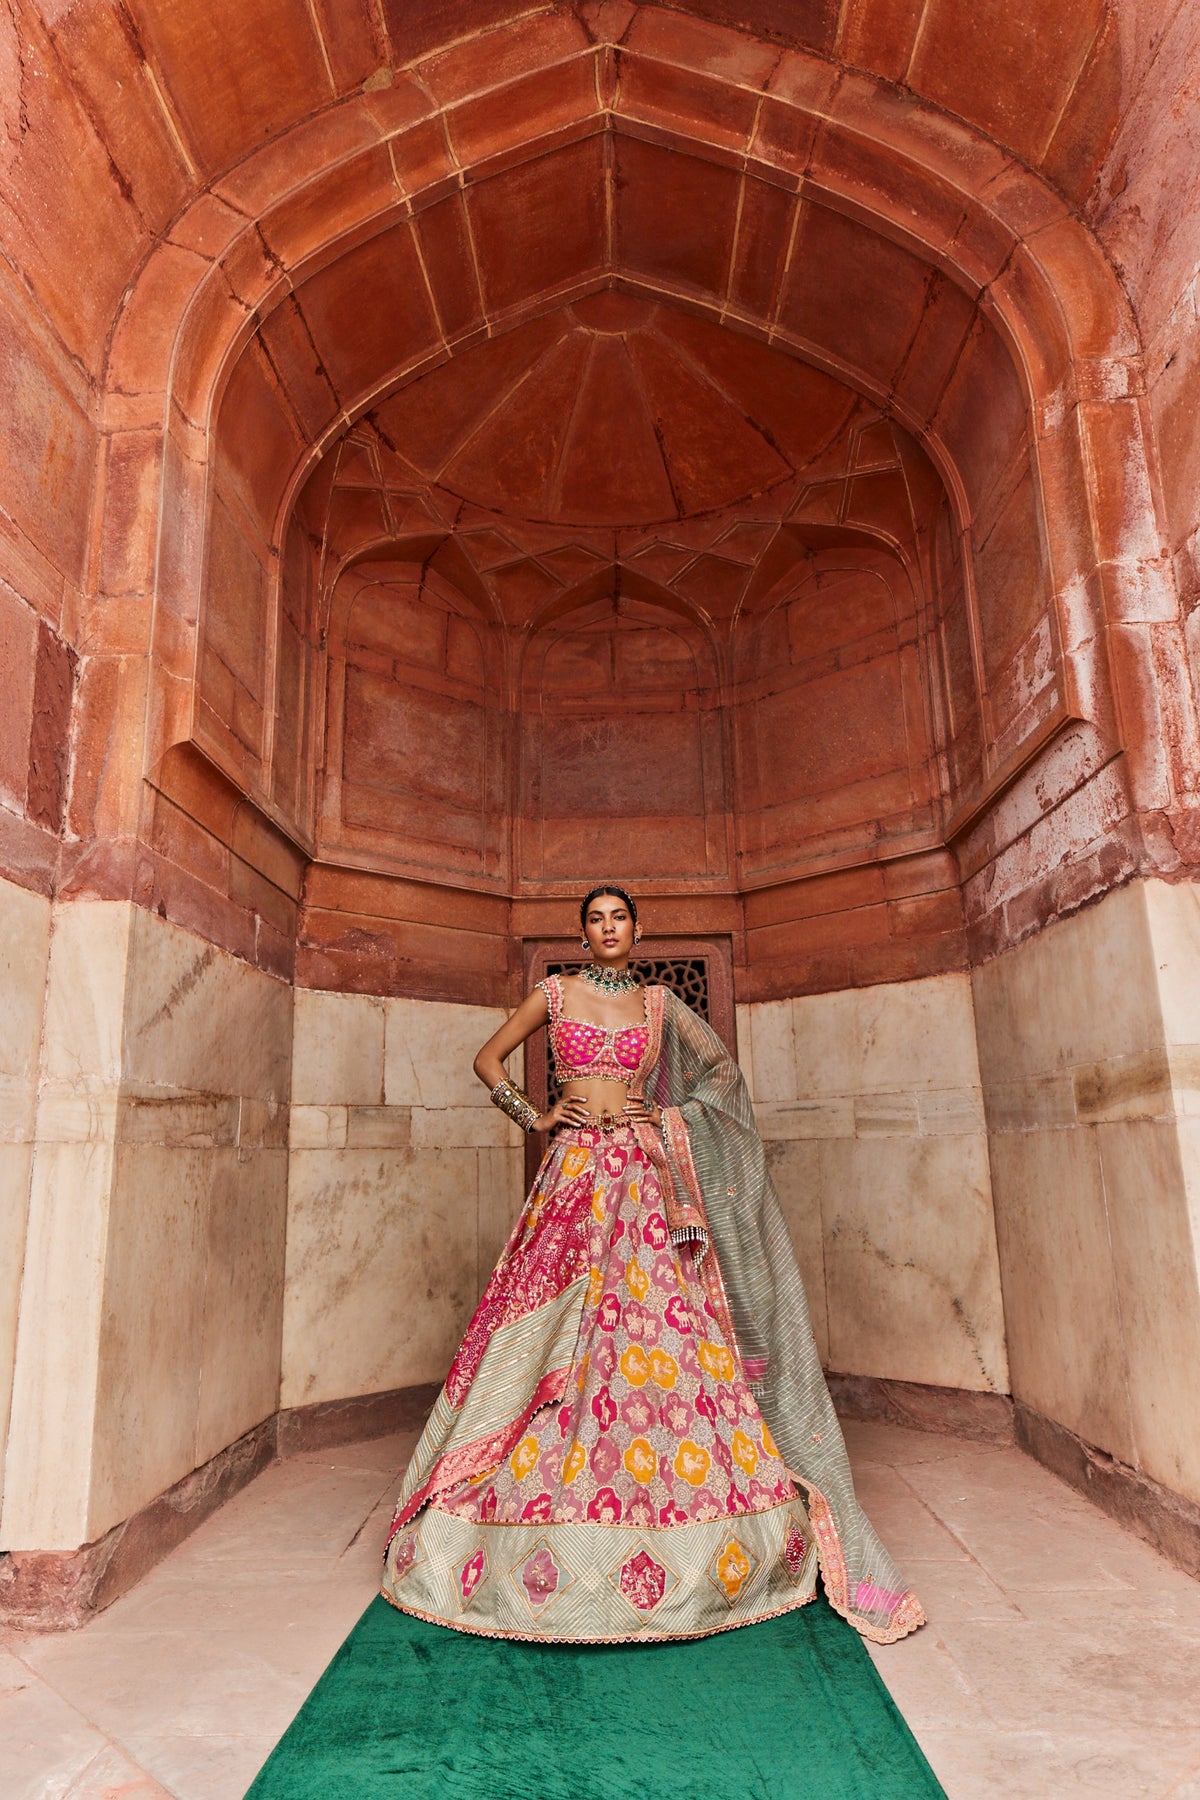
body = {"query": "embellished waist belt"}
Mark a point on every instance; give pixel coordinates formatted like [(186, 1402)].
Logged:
[(603, 1122)]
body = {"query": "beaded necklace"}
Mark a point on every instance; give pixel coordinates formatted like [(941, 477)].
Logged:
[(609, 981)]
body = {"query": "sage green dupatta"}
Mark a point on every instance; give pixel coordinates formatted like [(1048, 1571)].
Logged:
[(717, 1167)]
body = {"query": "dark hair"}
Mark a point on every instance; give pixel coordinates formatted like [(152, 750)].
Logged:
[(606, 887)]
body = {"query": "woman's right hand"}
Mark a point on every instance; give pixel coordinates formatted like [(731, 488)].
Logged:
[(571, 1110)]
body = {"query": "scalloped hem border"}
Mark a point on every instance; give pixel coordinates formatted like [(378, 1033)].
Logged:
[(908, 1617), (636, 1637)]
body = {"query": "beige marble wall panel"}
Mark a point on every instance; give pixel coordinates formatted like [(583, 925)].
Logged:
[(162, 1118), (85, 998), (397, 1210), (200, 1020), (1173, 913), (382, 1268), (1154, 1263), (911, 1268), (245, 1252), (1064, 1334), (1090, 1052), (337, 1055), (151, 1328), (1077, 997), (870, 1105), (429, 1049), (50, 1440), (24, 956)]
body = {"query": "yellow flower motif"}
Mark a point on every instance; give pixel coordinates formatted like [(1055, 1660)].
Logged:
[(641, 1461), (692, 1463), (717, 1360), (635, 1366), (635, 1193), (745, 1452), (524, 1457), (581, 1374), (595, 1287), (575, 1460), (637, 1280), (663, 1368), (733, 1567), (598, 1206), (575, 1161), (770, 1447)]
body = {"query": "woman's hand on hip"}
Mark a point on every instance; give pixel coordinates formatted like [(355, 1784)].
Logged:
[(640, 1111), (571, 1110)]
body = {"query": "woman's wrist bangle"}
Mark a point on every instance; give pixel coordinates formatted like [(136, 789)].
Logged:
[(515, 1103)]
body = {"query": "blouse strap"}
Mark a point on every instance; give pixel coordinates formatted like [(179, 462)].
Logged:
[(552, 988)]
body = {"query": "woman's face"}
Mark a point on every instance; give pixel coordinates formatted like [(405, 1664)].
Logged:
[(609, 928)]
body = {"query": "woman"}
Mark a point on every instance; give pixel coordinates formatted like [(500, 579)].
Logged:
[(635, 1440)]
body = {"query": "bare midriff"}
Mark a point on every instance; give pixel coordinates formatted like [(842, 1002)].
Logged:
[(601, 1096)]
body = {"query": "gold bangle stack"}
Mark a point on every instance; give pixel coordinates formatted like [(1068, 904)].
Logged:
[(514, 1102)]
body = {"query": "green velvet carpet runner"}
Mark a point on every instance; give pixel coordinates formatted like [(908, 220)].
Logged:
[(791, 1709)]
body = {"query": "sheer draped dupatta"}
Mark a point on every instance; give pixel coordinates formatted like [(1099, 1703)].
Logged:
[(718, 1189)]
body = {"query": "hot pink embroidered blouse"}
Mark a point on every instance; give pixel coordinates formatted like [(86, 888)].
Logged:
[(591, 1052)]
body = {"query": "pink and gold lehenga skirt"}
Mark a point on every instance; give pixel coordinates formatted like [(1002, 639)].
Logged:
[(596, 1468)]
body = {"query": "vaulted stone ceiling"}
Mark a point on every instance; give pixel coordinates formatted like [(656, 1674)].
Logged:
[(155, 100)]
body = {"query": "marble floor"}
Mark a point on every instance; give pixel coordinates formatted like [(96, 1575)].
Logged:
[(1062, 1659)]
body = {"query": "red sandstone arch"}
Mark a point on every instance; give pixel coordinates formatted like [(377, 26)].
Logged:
[(1006, 287)]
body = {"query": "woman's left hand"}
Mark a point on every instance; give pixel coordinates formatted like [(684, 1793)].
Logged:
[(640, 1111)]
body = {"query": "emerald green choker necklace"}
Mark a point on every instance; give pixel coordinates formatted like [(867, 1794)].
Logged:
[(610, 981)]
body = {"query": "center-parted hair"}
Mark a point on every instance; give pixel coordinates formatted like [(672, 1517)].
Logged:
[(617, 893)]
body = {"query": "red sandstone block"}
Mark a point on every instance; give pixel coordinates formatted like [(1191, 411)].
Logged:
[(259, 95), (760, 252), (215, 319), (275, 951), (398, 104), (47, 458), (514, 118), (18, 665), (924, 874), (540, 226), (29, 854), (294, 358), (782, 141), (358, 189), (264, 848), (424, 162), (369, 314), (250, 889), (879, 35), (705, 109), (1011, 75), (107, 750), (49, 737), (675, 215), (65, 204), (131, 475), (178, 896), (925, 914), (182, 841), (353, 41), (99, 46), (494, 57), (983, 418), (146, 331), (853, 293), (444, 239), (691, 43), (107, 870), (1083, 134)]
